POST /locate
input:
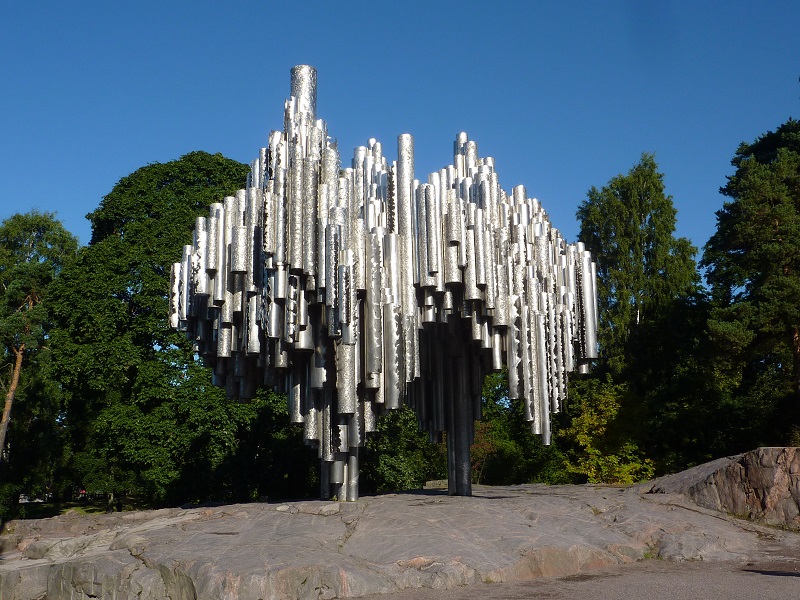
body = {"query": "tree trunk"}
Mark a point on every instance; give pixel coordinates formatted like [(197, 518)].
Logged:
[(12, 388), (796, 356)]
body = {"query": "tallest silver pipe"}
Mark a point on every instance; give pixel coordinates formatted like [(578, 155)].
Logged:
[(304, 88)]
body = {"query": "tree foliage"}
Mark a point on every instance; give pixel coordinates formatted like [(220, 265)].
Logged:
[(142, 413), (651, 329), (601, 439), (506, 451), (34, 248), (398, 456), (753, 267), (642, 268)]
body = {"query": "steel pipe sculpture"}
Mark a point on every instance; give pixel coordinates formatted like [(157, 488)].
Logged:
[(356, 290)]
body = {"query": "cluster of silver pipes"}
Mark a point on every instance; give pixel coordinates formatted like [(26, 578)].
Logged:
[(354, 291)]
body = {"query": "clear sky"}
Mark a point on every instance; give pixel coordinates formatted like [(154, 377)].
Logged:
[(564, 95)]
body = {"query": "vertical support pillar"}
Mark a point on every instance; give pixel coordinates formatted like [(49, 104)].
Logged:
[(459, 411), (463, 430)]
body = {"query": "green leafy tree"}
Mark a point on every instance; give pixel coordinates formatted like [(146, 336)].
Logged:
[(271, 460), (650, 304), (642, 268), (600, 440), (753, 267), (678, 390), (34, 248), (143, 415), (398, 456), (506, 451)]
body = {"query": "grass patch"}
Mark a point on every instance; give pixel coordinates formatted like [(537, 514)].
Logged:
[(651, 553), (46, 510)]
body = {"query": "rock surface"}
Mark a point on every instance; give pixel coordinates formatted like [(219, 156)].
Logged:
[(762, 485), (377, 545)]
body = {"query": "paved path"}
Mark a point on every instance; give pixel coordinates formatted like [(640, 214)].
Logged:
[(650, 580)]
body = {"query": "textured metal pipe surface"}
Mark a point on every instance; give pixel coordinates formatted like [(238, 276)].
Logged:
[(304, 88), (359, 290)]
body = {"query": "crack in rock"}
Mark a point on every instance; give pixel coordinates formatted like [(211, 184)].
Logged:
[(350, 524), (177, 584)]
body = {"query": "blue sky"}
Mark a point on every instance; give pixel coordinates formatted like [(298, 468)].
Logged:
[(564, 95)]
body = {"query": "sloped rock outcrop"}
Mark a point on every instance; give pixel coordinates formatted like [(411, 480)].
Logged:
[(762, 485), (378, 545)]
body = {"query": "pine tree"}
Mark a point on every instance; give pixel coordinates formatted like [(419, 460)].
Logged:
[(34, 248), (753, 266)]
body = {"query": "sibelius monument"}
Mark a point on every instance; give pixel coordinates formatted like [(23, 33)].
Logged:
[(356, 290)]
